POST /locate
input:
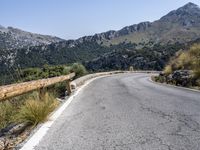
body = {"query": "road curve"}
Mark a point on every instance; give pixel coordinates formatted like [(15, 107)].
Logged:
[(127, 112)]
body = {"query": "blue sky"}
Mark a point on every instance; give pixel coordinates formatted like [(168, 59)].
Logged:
[(72, 19)]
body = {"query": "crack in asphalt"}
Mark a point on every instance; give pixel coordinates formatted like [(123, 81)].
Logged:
[(185, 123), (186, 120)]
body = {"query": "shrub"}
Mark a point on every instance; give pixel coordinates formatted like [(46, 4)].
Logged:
[(159, 79), (46, 71), (35, 111), (58, 90), (6, 113), (181, 61), (186, 60), (168, 69), (198, 82), (10, 108), (194, 54), (66, 70), (79, 69)]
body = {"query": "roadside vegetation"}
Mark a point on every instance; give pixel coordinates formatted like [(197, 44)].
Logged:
[(24, 112), (18, 108), (19, 115), (35, 110), (47, 71), (183, 69), (26, 109)]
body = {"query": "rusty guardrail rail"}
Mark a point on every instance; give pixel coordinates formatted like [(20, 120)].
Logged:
[(13, 90)]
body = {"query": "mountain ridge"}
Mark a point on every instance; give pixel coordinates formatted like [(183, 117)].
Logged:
[(127, 34), (178, 27), (113, 36), (14, 38)]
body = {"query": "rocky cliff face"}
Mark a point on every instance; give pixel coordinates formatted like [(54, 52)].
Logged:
[(181, 25), (110, 35)]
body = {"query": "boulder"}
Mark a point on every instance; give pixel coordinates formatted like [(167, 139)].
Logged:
[(181, 77), (73, 85)]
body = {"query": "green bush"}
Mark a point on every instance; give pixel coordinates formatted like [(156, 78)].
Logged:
[(49, 71), (79, 69), (39, 73), (27, 108), (160, 79), (66, 70), (58, 90)]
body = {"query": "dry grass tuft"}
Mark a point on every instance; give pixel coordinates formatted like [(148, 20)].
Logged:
[(36, 111), (189, 60), (6, 113), (168, 70)]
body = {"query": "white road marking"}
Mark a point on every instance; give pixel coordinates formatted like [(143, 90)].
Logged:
[(37, 137)]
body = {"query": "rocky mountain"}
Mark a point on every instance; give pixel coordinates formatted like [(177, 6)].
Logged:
[(147, 45), (108, 38), (179, 25), (13, 38)]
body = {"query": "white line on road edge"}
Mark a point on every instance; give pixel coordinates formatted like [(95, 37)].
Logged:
[(37, 137)]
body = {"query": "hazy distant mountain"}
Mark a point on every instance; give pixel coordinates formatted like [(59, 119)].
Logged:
[(13, 38)]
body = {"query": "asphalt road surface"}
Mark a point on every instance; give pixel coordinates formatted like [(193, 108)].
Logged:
[(127, 112)]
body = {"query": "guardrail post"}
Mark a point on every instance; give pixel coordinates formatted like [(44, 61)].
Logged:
[(42, 93), (131, 68), (68, 86)]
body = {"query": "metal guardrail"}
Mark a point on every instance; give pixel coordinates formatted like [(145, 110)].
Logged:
[(13, 90)]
